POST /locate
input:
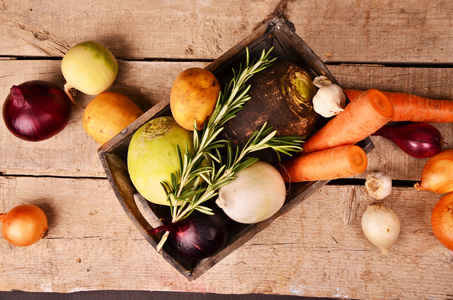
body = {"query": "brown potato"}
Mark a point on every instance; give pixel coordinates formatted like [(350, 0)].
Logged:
[(108, 114), (193, 97)]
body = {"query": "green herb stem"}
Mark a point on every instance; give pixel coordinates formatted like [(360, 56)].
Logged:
[(195, 183)]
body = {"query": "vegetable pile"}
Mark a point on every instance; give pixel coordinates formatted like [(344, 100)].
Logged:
[(411, 132), (226, 154), (38, 110)]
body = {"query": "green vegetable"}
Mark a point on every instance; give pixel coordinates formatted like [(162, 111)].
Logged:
[(153, 156), (185, 191), (89, 67)]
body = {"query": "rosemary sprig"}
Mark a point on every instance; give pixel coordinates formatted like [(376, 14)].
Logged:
[(196, 183)]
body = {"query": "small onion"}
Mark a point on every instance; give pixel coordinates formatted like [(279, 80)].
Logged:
[(36, 110), (24, 225), (256, 194), (442, 221), (381, 226), (437, 174), (199, 235), (419, 140)]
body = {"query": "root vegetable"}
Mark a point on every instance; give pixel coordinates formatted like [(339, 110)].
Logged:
[(419, 140), (381, 226), (256, 194), (199, 235), (329, 100), (437, 174), (24, 225), (108, 114), (325, 164), (193, 97), (378, 185), (36, 110), (360, 119), (281, 95), (89, 67), (152, 156), (442, 220), (409, 107)]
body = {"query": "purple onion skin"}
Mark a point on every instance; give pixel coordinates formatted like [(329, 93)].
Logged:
[(419, 140), (199, 235), (36, 110)]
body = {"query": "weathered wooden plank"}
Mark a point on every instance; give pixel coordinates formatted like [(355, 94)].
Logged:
[(310, 251), (435, 83), (73, 153), (381, 31)]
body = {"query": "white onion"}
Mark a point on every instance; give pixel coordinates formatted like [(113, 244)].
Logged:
[(256, 194), (381, 226)]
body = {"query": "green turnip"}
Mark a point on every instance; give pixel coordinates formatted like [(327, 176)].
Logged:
[(89, 67), (152, 156)]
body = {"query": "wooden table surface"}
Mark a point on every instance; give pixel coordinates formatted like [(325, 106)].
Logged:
[(318, 248)]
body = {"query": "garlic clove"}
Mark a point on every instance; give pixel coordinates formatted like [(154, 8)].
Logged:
[(321, 81), (378, 185), (329, 100)]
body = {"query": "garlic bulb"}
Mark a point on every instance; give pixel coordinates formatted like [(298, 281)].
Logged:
[(381, 226), (378, 185), (256, 193), (329, 100)]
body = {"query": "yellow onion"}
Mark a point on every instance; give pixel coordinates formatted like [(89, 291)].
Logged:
[(437, 174), (24, 225), (442, 221)]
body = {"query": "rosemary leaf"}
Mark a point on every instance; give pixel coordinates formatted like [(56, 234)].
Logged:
[(194, 183)]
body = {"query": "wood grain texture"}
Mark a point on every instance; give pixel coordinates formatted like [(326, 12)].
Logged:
[(74, 153), (356, 31), (309, 251), (435, 83), (317, 248)]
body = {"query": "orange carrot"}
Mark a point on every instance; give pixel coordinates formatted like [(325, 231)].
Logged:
[(360, 118), (333, 163), (409, 107)]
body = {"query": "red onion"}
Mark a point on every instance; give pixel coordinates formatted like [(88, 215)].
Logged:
[(36, 110), (419, 140), (198, 236)]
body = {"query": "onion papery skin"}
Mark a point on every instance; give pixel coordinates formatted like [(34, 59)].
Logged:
[(199, 235), (419, 140), (24, 225), (437, 174), (256, 194), (381, 226), (442, 220), (36, 110)]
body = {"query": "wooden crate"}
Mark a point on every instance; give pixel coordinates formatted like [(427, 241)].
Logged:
[(145, 215)]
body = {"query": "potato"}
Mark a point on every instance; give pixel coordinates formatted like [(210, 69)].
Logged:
[(193, 97), (107, 114)]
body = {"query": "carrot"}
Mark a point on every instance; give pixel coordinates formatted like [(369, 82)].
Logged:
[(333, 163), (409, 107), (360, 118)]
